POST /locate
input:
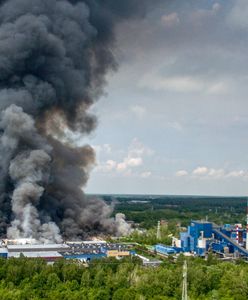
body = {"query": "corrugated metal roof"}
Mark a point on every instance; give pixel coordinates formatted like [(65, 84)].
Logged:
[(86, 242), (94, 242), (45, 254), (38, 247), (3, 250)]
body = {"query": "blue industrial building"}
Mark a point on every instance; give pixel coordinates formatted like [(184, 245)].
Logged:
[(196, 237), (203, 236), (166, 250)]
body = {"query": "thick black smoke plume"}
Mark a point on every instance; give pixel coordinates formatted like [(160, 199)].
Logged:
[(54, 55)]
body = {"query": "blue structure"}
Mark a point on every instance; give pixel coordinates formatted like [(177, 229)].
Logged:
[(196, 227), (166, 250), (231, 244), (3, 253), (185, 241), (85, 257), (202, 236), (218, 247), (196, 230)]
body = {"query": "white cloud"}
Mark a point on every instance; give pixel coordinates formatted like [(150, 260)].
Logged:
[(181, 173), (133, 161), (121, 167), (216, 173), (170, 20), (106, 167), (208, 173), (111, 164), (134, 157), (129, 162), (212, 173), (138, 111), (236, 174), (200, 171)]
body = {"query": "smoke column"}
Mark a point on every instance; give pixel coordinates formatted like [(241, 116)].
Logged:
[(54, 55)]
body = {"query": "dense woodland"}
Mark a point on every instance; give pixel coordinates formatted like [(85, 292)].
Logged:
[(147, 210), (23, 278)]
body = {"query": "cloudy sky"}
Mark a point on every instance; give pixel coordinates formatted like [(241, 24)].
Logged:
[(174, 118)]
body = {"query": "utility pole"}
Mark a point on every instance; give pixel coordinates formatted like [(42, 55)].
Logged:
[(158, 231), (185, 288)]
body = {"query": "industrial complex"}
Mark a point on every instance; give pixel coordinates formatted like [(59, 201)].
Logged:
[(83, 251), (202, 237), (198, 239)]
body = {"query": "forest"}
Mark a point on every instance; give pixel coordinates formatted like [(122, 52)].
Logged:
[(147, 210), (110, 279)]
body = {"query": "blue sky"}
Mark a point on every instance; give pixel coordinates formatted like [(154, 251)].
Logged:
[(174, 118)]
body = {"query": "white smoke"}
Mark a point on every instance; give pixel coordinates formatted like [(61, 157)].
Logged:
[(123, 228)]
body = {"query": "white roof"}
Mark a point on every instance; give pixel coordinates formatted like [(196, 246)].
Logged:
[(45, 254), (86, 242), (38, 246), (3, 250), (94, 242)]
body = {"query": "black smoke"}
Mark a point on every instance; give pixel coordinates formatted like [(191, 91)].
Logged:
[(54, 55)]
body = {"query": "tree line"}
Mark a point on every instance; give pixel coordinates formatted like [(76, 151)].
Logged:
[(127, 279)]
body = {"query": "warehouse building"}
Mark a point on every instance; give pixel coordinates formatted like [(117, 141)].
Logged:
[(80, 250)]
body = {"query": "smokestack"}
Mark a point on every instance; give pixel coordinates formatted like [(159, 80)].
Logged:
[(54, 58)]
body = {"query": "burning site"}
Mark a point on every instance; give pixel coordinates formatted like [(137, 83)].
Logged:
[(54, 56), (123, 149)]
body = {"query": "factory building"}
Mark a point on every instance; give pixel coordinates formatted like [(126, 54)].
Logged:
[(202, 237), (38, 248), (83, 250), (117, 253), (85, 257), (48, 256), (165, 250), (147, 262), (49, 252)]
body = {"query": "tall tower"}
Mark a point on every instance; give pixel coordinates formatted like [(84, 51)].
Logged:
[(185, 287), (158, 231), (246, 244)]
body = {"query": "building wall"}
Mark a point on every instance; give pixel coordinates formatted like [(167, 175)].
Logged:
[(115, 253)]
